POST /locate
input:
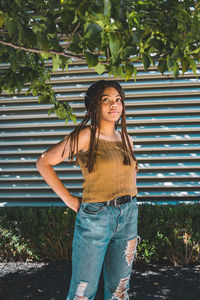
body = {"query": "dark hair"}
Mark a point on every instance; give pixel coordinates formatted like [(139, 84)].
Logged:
[(93, 114)]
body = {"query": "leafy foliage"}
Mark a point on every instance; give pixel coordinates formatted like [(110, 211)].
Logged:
[(36, 234), (168, 234), (109, 35)]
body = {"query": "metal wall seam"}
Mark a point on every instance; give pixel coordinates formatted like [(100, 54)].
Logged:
[(163, 118)]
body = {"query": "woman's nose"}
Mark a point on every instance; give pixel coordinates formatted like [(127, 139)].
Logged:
[(113, 103)]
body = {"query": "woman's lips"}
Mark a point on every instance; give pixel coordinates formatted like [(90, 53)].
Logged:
[(113, 112)]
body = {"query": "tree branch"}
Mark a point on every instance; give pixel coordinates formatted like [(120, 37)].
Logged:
[(42, 51), (72, 34)]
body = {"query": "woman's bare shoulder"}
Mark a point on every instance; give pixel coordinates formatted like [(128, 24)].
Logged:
[(130, 140), (84, 139), (129, 137), (85, 132)]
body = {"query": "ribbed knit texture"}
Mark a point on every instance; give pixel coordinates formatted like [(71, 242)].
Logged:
[(110, 177)]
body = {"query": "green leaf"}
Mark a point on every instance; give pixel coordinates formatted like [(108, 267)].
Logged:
[(192, 64), (135, 38), (176, 70), (34, 92), (135, 74), (60, 112), (75, 48), (54, 99), (73, 117), (196, 51), (42, 39), (56, 62), (43, 99), (185, 65), (170, 63), (67, 16), (129, 71), (92, 59), (1, 20), (11, 26), (176, 53), (39, 28), (116, 71), (45, 55), (134, 58), (18, 2), (162, 66), (50, 111), (115, 43), (129, 51), (146, 61), (93, 33), (107, 7), (156, 43), (99, 68)]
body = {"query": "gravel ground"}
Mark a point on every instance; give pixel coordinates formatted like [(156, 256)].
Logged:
[(50, 281)]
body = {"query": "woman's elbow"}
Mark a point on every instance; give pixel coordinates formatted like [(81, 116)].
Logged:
[(40, 162)]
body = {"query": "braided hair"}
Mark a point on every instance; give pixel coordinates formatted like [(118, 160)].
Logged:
[(93, 114)]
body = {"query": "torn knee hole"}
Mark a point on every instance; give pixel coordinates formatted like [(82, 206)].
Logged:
[(121, 290), (80, 291), (130, 251)]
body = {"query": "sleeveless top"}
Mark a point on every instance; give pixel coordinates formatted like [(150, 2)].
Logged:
[(110, 177)]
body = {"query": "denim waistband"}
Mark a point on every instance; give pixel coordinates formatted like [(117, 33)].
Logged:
[(117, 201)]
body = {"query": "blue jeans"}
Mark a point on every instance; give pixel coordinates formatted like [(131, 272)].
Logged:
[(104, 236)]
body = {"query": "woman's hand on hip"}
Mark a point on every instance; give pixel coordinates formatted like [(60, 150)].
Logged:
[(74, 203)]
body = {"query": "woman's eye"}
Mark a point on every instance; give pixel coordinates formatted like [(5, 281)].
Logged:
[(107, 100)]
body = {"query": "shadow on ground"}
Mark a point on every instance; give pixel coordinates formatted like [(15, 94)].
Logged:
[(50, 281)]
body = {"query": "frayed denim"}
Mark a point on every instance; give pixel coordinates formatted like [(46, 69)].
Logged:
[(104, 236)]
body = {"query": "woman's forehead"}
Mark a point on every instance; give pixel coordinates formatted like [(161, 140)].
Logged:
[(110, 91)]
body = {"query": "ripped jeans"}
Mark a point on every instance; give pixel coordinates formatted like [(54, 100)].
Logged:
[(104, 236)]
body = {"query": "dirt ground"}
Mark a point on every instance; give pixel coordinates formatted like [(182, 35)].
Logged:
[(50, 281)]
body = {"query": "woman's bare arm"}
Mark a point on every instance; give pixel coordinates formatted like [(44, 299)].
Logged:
[(54, 156), (136, 170)]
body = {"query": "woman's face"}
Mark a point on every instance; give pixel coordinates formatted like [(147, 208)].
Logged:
[(111, 105)]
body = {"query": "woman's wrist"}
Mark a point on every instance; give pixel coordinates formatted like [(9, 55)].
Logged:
[(73, 202), (79, 202)]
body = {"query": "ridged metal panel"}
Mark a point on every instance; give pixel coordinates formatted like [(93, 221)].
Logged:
[(163, 118)]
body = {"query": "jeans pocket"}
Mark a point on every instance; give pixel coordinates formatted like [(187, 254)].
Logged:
[(134, 201), (92, 208)]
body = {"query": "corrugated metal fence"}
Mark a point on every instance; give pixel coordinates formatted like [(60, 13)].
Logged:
[(163, 117)]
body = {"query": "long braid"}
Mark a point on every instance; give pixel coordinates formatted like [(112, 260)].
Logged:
[(73, 136), (124, 133), (95, 107)]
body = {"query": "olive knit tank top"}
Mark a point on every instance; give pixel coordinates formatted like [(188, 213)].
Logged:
[(110, 177)]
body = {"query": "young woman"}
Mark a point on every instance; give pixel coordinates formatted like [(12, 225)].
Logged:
[(106, 224)]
